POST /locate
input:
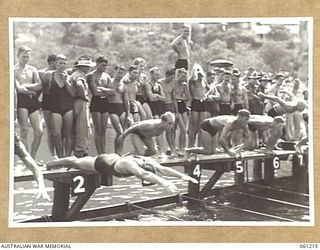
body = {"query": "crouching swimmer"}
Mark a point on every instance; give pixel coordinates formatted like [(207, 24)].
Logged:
[(145, 168)]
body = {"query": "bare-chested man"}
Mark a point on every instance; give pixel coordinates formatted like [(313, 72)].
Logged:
[(180, 97), (261, 123), (118, 104), (167, 85), (254, 100), (99, 84), (239, 97), (284, 107), (131, 81), (143, 131), (223, 125), (27, 83), (224, 88), (156, 100), (143, 106), (212, 96), (198, 88), (181, 45), (45, 104)]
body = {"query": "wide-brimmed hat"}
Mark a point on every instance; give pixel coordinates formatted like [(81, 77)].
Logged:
[(265, 78), (84, 60), (280, 74), (221, 63), (235, 72), (254, 75)]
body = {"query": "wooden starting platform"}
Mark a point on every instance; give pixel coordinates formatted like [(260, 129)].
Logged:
[(82, 184)]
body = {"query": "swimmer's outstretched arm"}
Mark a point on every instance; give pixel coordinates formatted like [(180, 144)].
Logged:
[(166, 171), (273, 98), (84, 163)]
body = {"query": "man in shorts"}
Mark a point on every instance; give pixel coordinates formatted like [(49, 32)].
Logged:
[(28, 86), (181, 45), (224, 88), (145, 168), (223, 126), (143, 132)]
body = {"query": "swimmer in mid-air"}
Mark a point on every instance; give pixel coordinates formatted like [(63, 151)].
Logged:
[(145, 168)]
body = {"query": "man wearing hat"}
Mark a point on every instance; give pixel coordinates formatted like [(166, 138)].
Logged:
[(239, 97), (145, 168), (224, 88), (222, 127), (81, 111)]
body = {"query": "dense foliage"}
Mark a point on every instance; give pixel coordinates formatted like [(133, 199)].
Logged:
[(277, 50)]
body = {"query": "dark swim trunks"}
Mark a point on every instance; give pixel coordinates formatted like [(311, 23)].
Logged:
[(252, 128), (29, 102), (99, 104), (157, 108), (101, 166), (181, 63), (273, 112), (198, 105), (182, 107), (206, 126), (169, 107), (236, 108), (225, 108), (116, 108)]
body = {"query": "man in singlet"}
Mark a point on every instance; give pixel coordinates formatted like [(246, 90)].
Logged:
[(181, 45), (144, 168), (198, 88), (239, 97), (181, 96), (132, 89), (143, 132), (284, 107), (99, 84), (224, 88), (45, 104), (81, 111), (119, 104), (261, 123), (223, 126), (61, 97), (27, 86)]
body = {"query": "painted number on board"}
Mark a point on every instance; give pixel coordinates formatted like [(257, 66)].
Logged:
[(300, 160), (276, 163), (197, 171), (239, 167), (79, 181)]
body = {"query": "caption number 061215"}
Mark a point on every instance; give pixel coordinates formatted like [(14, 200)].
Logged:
[(79, 187)]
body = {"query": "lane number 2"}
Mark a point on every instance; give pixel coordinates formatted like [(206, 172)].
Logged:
[(79, 188)]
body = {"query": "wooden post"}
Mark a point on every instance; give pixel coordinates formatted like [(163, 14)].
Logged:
[(300, 173), (239, 172), (268, 170), (60, 201), (193, 189), (257, 170)]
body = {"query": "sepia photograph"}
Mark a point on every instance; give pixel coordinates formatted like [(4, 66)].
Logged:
[(161, 122)]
